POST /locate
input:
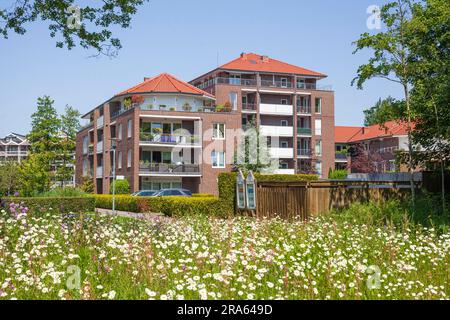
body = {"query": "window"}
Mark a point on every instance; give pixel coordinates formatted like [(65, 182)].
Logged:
[(130, 128), (318, 147), (129, 159), (319, 168), (218, 159), (235, 79), (218, 131), (284, 82), (119, 160), (301, 83), (85, 167), (233, 100), (284, 101), (318, 105), (284, 144), (284, 123), (284, 165), (318, 127), (120, 128), (85, 145)]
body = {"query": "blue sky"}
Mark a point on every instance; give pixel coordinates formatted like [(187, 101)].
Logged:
[(184, 38)]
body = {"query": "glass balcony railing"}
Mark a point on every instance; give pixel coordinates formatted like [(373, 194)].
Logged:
[(169, 169), (304, 131)]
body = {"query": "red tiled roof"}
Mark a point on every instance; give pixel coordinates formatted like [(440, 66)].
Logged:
[(165, 83), (256, 62), (344, 134), (355, 134)]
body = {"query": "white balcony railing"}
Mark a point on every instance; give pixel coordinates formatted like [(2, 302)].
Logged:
[(100, 121), (284, 171), (281, 153), (277, 131), (100, 147), (99, 172), (276, 109)]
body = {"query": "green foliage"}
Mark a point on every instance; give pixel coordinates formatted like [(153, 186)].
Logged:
[(35, 175), (9, 175), (385, 110), (202, 195), (55, 204), (92, 30), (121, 187), (88, 185), (123, 202), (63, 192), (338, 174)]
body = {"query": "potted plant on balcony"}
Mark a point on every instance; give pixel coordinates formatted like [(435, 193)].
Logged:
[(219, 108), (148, 107), (137, 100), (227, 107), (173, 109), (200, 109), (127, 103), (187, 107)]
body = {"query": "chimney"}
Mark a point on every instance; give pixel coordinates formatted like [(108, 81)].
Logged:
[(243, 56), (363, 130), (265, 58), (145, 79)]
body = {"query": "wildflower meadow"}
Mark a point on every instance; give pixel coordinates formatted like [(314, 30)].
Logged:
[(92, 256)]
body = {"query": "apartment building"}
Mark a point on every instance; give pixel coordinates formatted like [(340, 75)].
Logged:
[(14, 147), (379, 145), (286, 102), (166, 133)]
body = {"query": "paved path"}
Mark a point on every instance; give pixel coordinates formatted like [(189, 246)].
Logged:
[(143, 216)]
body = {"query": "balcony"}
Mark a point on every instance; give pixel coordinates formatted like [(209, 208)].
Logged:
[(341, 157), (100, 147), (248, 107), (304, 153), (277, 131), (306, 110), (276, 84), (100, 122), (99, 172), (164, 169), (281, 153), (169, 140), (276, 109), (284, 171), (13, 153), (236, 82), (314, 86), (304, 132)]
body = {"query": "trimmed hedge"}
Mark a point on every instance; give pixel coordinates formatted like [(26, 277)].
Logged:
[(169, 206), (202, 195), (59, 204), (227, 185)]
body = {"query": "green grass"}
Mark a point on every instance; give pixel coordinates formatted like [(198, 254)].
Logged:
[(241, 258)]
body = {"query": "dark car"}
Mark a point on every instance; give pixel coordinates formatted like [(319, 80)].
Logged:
[(173, 193), (144, 193)]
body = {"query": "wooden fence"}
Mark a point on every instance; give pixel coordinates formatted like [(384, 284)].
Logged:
[(303, 200)]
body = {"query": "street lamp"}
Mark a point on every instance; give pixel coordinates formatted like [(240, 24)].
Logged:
[(113, 149)]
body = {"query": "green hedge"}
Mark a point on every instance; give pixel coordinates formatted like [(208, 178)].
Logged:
[(169, 206), (123, 202), (203, 195), (227, 185), (59, 204)]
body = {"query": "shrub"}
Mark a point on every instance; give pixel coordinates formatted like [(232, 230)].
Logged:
[(63, 192), (202, 195), (58, 204), (121, 187), (123, 202), (187, 206), (337, 174)]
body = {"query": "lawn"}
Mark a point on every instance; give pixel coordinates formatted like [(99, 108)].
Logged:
[(200, 258)]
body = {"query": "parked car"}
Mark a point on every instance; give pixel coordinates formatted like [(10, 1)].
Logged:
[(144, 193), (173, 193)]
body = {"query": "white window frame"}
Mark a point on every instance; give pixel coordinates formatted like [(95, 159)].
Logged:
[(285, 102), (120, 133), (129, 158), (318, 168), (282, 80), (129, 128), (218, 154), (320, 105), (234, 102), (284, 144), (119, 160), (318, 127), (318, 148), (284, 123), (216, 131)]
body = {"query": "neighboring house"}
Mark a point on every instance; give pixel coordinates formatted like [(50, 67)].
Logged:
[(287, 104), (379, 144), (170, 134), (14, 147)]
